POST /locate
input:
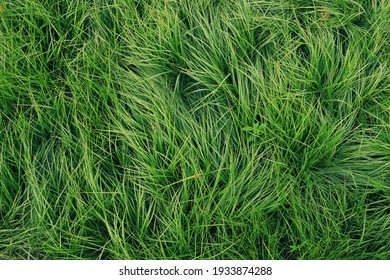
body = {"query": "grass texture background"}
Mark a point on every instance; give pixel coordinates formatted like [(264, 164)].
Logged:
[(178, 129)]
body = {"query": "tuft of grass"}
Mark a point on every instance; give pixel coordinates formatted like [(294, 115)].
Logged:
[(145, 129)]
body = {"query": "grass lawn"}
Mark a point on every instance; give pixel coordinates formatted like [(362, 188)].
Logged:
[(194, 129)]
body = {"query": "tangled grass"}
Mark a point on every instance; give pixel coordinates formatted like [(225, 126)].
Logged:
[(178, 129)]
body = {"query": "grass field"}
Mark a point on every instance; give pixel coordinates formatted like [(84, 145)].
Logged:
[(194, 129)]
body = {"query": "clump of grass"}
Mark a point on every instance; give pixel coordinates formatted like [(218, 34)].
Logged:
[(194, 129)]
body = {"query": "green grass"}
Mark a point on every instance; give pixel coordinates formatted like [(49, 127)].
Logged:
[(178, 129)]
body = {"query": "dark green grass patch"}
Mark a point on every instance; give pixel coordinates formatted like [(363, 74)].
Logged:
[(194, 129)]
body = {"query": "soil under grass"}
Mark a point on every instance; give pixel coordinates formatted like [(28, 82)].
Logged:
[(194, 129)]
